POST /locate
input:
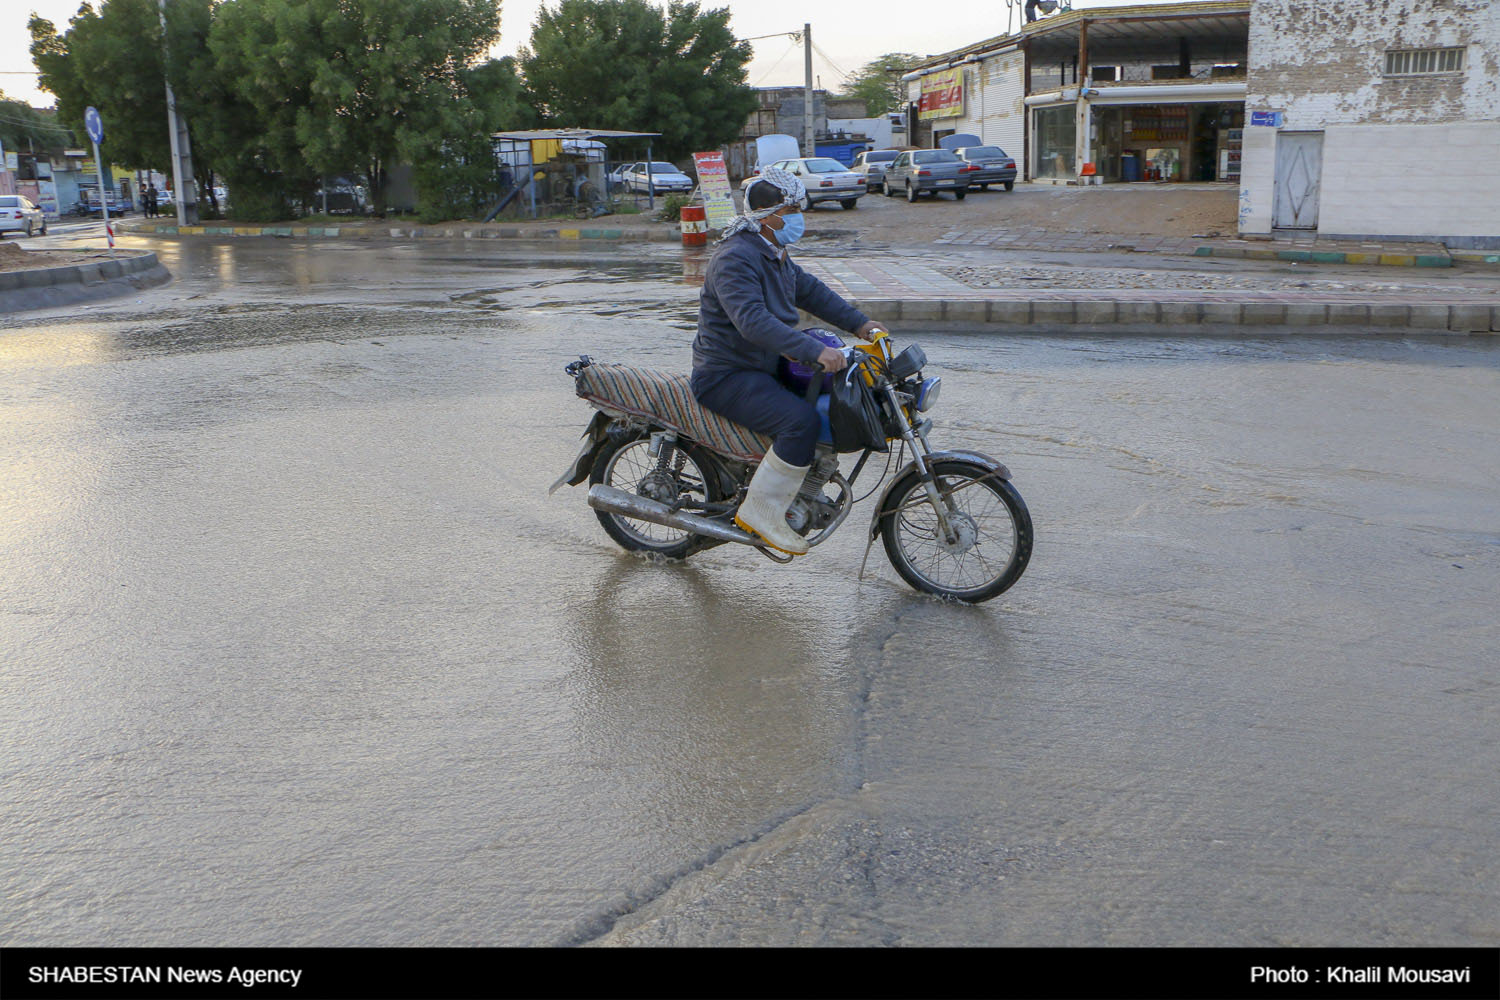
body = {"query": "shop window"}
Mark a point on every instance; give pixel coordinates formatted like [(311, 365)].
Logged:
[(1423, 62), (1056, 129), (1228, 69), (1172, 72), (1105, 74)]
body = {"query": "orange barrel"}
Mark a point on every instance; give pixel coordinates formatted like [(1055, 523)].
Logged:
[(694, 226)]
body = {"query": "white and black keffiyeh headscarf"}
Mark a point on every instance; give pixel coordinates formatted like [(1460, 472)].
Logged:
[(792, 193)]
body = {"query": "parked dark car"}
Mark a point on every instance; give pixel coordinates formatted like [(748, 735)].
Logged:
[(927, 171), (995, 166)]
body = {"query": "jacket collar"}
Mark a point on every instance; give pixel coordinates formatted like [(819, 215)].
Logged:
[(764, 246)]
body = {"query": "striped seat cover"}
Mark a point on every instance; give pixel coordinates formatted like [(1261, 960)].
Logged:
[(665, 396)]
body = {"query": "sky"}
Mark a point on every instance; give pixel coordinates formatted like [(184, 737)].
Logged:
[(846, 34)]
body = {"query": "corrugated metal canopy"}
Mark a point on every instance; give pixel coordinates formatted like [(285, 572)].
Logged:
[(535, 135), (1213, 22), (1125, 34)]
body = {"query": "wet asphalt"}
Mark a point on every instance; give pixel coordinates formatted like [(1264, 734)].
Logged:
[(296, 650)]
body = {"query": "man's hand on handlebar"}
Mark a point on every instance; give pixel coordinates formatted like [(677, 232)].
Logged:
[(832, 359), (869, 330)]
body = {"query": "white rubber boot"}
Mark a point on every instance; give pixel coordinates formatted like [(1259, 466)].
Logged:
[(764, 511)]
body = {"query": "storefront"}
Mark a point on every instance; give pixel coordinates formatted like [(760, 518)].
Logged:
[(1129, 93), (1169, 142), (1188, 132)]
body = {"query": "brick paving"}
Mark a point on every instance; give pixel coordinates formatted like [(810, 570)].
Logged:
[(1310, 250)]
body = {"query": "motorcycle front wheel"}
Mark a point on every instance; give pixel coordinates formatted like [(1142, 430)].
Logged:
[(685, 475), (990, 522)]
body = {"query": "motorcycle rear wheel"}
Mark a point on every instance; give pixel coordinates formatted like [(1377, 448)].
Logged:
[(992, 521), (629, 466)]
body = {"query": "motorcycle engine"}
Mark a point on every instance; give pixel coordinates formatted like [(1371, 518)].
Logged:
[(811, 510)]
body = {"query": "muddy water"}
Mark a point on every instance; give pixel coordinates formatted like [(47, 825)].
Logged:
[(296, 650)]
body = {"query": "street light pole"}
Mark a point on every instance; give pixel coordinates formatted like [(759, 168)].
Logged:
[(807, 93), (182, 187)]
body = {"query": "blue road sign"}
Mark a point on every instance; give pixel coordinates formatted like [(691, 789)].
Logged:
[(93, 125)]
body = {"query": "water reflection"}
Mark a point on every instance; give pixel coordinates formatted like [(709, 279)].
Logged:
[(719, 699)]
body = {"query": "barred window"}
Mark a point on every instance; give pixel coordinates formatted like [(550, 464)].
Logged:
[(1416, 62)]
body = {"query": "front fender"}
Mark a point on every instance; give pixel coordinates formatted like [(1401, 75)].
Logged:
[(976, 457)]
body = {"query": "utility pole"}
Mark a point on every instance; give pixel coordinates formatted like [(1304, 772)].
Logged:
[(808, 147), (183, 195)]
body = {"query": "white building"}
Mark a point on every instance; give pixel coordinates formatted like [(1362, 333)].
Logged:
[(1376, 118), (1119, 93)]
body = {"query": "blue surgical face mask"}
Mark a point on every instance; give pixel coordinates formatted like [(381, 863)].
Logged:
[(792, 228)]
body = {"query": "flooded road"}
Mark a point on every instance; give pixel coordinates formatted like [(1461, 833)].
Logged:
[(296, 650)]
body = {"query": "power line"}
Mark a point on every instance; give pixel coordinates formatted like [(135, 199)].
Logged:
[(830, 62), (33, 124), (775, 64)]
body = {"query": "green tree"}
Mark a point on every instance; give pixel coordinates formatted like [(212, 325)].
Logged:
[(878, 83), (110, 59), (626, 64), (355, 84), (24, 129), (113, 59), (462, 181)]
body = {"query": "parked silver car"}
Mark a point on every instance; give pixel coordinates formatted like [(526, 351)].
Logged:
[(825, 179), (927, 171), (871, 166), (995, 166), (665, 178), (18, 214)]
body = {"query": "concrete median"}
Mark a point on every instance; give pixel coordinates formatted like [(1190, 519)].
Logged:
[(47, 287)]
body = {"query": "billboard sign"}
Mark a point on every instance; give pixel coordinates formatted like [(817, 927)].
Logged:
[(713, 184), (942, 95)]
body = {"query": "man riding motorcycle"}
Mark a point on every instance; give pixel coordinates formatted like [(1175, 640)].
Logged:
[(746, 315)]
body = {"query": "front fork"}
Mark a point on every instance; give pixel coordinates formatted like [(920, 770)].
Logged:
[(916, 439)]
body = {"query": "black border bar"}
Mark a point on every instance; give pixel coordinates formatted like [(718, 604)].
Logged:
[(826, 974)]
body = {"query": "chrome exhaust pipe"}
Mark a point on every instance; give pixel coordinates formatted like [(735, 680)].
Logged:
[(615, 501)]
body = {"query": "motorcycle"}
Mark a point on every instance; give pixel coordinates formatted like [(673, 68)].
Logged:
[(666, 475)]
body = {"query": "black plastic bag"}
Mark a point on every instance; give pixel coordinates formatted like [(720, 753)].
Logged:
[(854, 413)]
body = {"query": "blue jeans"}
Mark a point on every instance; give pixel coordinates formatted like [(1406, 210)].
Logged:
[(759, 401)]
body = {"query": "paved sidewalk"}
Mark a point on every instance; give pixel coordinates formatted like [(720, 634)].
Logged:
[(896, 289)]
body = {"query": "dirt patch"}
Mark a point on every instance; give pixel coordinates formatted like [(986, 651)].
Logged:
[(14, 258), (1171, 210)]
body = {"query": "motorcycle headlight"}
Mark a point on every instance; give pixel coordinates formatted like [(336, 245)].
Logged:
[(927, 394)]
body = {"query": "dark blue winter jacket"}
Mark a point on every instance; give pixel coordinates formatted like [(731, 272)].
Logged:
[(747, 312)]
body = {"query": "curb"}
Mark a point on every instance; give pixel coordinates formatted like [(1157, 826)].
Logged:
[(454, 232), (1162, 317), (44, 287), (1345, 257)]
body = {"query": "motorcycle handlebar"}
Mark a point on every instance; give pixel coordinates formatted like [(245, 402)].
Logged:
[(815, 384)]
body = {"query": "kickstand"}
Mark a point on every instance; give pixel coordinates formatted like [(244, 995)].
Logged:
[(868, 546), (773, 555)]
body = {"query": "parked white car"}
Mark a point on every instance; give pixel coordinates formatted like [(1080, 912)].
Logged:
[(665, 178), (825, 179), (18, 214)]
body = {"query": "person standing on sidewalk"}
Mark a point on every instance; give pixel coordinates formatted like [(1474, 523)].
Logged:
[(746, 315)]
